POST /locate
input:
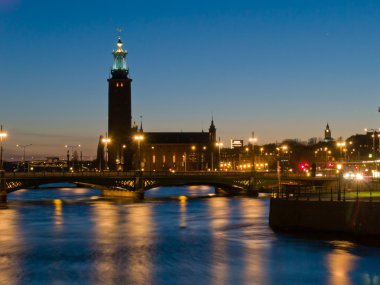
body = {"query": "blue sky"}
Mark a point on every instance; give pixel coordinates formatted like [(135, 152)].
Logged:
[(282, 69)]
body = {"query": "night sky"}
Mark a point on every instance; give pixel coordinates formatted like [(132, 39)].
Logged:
[(280, 68)]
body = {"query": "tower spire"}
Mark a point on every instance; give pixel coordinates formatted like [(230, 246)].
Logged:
[(328, 136), (212, 126), (212, 131), (141, 128), (119, 67)]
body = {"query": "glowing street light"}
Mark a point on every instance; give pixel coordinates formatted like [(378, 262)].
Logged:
[(23, 157), (70, 146), (282, 148), (72, 153), (373, 140), (106, 141), (339, 169), (252, 140), (138, 139), (122, 159), (219, 144), (3, 135), (341, 144)]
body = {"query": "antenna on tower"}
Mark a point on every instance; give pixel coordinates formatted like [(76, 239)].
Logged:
[(119, 30)]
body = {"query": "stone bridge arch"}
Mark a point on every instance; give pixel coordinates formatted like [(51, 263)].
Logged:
[(136, 183)]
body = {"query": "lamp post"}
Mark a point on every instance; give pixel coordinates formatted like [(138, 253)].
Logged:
[(23, 157), (184, 161), (339, 169), (3, 135), (252, 140), (219, 144), (341, 144), (81, 159), (72, 153), (373, 141), (122, 159), (106, 141), (138, 138), (279, 149)]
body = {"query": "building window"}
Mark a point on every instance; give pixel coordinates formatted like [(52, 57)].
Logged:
[(154, 159), (164, 159), (121, 84), (173, 158), (117, 84)]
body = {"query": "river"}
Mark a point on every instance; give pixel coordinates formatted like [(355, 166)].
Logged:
[(75, 236)]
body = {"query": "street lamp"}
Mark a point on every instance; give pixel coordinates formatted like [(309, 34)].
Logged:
[(3, 135), (252, 140), (219, 144), (72, 153), (184, 160), (341, 144), (106, 141), (138, 138), (373, 141), (23, 157), (279, 149), (122, 159), (339, 169), (81, 158)]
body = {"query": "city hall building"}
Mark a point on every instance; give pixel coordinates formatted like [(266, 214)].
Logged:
[(130, 148)]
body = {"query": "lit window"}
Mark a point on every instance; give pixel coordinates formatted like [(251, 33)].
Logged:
[(163, 158), (173, 158), (154, 159), (121, 84)]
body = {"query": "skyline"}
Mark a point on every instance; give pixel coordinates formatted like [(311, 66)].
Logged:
[(318, 61)]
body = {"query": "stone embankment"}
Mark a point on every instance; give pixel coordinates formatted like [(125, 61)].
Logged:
[(354, 218)]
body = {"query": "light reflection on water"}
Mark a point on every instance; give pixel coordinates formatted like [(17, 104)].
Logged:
[(340, 263), (10, 246), (73, 236), (218, 212)]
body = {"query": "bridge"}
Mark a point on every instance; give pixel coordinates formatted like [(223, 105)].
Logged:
[(134, 184)]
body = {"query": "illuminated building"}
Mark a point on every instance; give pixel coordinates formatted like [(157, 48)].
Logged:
[(119, 112), (176, 151), (130, 148)]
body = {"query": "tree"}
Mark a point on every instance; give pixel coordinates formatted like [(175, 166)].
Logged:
[(100, 161)]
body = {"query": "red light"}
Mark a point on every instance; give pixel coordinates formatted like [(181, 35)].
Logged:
[(303, 166)]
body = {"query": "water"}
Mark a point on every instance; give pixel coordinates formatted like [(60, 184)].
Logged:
[(73, 236)]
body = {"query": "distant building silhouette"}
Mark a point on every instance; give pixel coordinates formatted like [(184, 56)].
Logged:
[(328, 137), (363, 146)]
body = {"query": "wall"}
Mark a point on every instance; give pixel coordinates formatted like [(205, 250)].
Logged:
[(354, 218)]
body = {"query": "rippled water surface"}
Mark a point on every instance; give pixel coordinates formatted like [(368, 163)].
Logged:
[(74, 236)]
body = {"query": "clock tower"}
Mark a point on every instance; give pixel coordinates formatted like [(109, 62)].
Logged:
[(119, 112), (328, 137)]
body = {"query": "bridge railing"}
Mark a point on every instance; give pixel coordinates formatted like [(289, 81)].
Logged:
[(68, 174), (258, 174), (124, 174)]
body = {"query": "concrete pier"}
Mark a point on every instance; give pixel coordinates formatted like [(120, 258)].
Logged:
[(354, 218), (3, 190), (123, 194)]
